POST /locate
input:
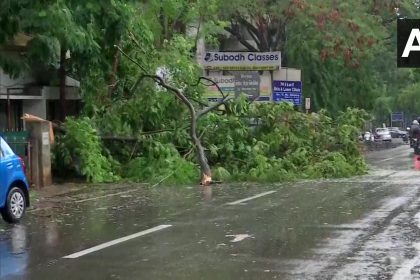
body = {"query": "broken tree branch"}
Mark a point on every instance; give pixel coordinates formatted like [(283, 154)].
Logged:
[(201, 156)]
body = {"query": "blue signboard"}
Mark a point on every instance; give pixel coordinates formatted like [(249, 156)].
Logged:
[(397, 117), (288, 91)]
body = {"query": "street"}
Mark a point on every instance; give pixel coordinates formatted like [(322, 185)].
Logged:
[(366, 227)]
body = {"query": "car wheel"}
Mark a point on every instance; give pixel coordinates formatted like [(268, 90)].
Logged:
[(15, 206)]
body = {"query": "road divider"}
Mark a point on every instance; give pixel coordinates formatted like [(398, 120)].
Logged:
[(115, 242)]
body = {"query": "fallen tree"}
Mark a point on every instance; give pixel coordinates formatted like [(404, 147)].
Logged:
[(195, 115)]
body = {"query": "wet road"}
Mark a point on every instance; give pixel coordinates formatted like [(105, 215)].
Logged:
[(360, 228)]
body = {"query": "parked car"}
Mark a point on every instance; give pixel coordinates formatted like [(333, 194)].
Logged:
[(14, 188), (383, 134), (398, 133)]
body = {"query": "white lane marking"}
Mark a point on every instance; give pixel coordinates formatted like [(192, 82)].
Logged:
[(238, 237), (114, 242), (250, 198), (399, 156), (387, 159)]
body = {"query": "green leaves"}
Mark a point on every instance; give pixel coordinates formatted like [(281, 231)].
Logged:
[(265, 142), (81, 149), (44, 51), (161, 161), (286, 144)]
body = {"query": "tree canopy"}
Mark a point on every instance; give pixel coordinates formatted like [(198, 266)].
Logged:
[(346, 50)]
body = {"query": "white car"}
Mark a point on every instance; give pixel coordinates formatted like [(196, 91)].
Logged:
[(383, 134)]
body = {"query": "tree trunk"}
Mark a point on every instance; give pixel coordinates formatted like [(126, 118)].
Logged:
[(201, 155), (62, 78)]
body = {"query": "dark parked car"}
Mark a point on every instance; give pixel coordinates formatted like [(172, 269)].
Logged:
[(14, 188), (398, 133)]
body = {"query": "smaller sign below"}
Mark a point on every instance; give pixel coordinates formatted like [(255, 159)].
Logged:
[(225, 83), (45, 138), (247, 83), (288, 91), (397, 117), (307, 103)]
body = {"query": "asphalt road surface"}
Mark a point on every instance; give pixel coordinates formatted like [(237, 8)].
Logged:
[(360, 228)]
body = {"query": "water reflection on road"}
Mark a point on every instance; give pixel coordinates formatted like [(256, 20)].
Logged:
[(13, 251)]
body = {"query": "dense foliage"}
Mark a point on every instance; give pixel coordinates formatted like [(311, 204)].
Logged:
[(285, 144), (80, 148), (254, 142), (133, 128)]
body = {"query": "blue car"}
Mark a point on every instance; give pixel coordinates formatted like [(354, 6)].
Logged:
[(14, 188)]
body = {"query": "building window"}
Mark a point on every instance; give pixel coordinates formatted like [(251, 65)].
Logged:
[(14, 123)]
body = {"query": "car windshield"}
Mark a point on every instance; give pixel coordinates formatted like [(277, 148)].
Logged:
[(382, 130)]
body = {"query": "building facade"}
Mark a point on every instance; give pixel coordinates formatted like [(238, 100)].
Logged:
[(26, 94)]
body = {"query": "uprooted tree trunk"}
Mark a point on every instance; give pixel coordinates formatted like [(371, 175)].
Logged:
[(201, 155), (206, 176)]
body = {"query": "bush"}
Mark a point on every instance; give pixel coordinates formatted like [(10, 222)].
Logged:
[(332, 165), (286, 144), (80, 150), (161, 162)]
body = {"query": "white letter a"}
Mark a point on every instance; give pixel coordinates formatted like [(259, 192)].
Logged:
[(415, 34)]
